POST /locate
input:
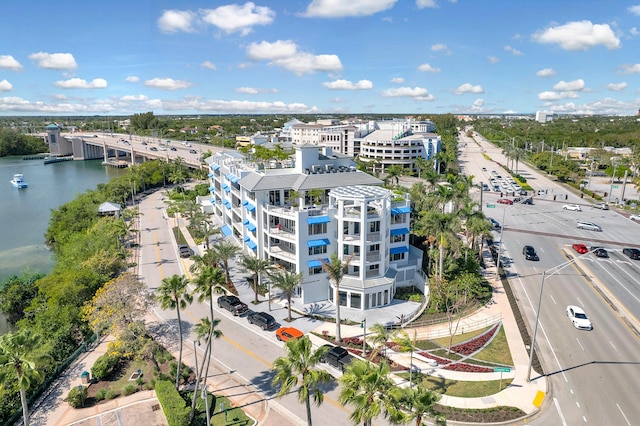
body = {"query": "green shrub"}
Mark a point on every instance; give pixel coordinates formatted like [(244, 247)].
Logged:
[(77, 396), (101, 395), (173, 405), (104, 366), (129, 390), (111, 394)]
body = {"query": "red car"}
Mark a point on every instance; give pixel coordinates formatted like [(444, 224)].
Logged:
[(580, 248), (505, 201)]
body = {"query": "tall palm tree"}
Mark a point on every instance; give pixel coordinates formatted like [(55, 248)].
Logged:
[(418, 403), (205, 329), (335, 268), (208, 280), (402, 339), (379, 336), (369, 388), (287, 282), (19, 363), (257, 267), (299, 362), (173, 294), (223, 251)]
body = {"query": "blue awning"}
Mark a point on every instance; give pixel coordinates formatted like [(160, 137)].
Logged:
[(252, 245), (226, 203), (235, 179), (246, 238), (226, 231), (318, 243), (226, 187), (245, 202), (228, 175), (398, 250), (210, 175), (400, 210), (251, 227), (244, 222), (318, 219), (399, 231), (215, 167), (213, 200), (212, 188), (315, 263), (250, 207)]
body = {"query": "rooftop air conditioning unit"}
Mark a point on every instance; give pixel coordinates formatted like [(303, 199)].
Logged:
[(316, 168), (328, 167)]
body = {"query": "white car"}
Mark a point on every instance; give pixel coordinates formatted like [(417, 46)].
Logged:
[(572, 207), (634, 217), (578, 318)]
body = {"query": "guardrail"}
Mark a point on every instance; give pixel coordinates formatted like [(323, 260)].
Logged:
[(464, 327)]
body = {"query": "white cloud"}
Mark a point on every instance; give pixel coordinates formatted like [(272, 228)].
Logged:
[(421, 4), (234, 18), (341, 8), (173, 21), (285, 54), (78, 83), (397, 80), (8, 62), (478, 103), (634, 31), (569, 86), (439, 47), (548, 96), (132, 79), (167, 84), (348, 85), (418, 93), (134, 98), (493, 59), (513, 51), (630, 69), (54, 61), (546, 72), (634, 9), (209, 65), (247, 90), (579, 35), (5, 86), (428, 68), (468, 88), (617, 87)]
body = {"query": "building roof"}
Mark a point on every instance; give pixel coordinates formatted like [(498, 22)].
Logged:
[(301, 182), (108, 207)]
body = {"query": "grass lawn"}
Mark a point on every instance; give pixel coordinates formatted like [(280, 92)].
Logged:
[(459, 338), (234, 416), (497, 351), (462, 389)]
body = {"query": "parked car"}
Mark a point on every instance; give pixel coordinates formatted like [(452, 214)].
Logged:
[(633, 253), (153, 148), (173, 148), (530, 253), (485, 187), (287, 333), (601, 206), (262, 320), (232, 304), (337, 356), (599, 252), (484, 169), (580, 248), (505, 201), (184, 250), (634, 217), (590, 226), (572, 207), (579, 318), (193, 151), (494, 223)]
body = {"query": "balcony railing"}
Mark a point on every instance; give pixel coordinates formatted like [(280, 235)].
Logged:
[(284, 253)]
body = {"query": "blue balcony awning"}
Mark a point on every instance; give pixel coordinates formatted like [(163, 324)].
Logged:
[(226, 203), (250, 207), (215, 167), (252, 245), (318, 219), (400, 210), (399, 231), (398, 250), (315, 263), (245, 202), (228, 175), (212, 188), (235, 179), (318, 243), (251, 227), (210, 175), (226, 231), (213, 200), (246, 238), (226, 187), (244, 222)]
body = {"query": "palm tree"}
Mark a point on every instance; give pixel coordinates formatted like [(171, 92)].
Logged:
[(379, 336), (173, 294), (257, 267), (287, 282), (19, 364), (402, 339), (209, 279), (335, 268), (418, 403), (204, 329), (299, 362), (394, 172), (223, 251), (369, 388)]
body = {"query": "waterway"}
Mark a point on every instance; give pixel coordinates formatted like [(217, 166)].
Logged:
[(25, 213)]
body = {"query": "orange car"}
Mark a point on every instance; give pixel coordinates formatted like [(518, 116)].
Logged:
[(286, 333)]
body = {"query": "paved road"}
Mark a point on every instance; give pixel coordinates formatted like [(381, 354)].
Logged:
[(591, 373)]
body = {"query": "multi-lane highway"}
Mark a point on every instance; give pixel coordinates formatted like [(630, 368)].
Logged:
[(592, 373)]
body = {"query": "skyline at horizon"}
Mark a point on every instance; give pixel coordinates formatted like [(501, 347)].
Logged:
[(320, 57)]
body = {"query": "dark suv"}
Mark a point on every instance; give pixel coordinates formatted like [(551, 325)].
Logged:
[(529, 253), (184, 250), (633, 253), (262, 320)]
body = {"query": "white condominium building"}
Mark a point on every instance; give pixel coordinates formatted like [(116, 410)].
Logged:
[(298, 217)]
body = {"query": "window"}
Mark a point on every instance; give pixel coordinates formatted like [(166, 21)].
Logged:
[(374, 247), (315, 271), (374, 267), (274, 198), (343, 298), (317, 250), (399, 256), (374, 226), (398, 238), (318, 228), (356, 300)]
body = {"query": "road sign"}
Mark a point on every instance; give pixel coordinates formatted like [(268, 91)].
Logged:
[(614, 186), (501, 369), (491, 206)]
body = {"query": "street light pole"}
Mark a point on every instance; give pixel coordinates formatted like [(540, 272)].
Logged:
[(555, 270), (504, 212)]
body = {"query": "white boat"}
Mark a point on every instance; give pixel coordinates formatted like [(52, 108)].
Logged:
[(18, 181)]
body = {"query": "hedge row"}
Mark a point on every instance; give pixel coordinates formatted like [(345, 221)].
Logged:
[(174, 406)]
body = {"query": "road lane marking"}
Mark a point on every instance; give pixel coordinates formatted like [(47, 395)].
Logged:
[(623, 415), (614, 346), (581, 347), (554, 300), (580, 302), (578, 404), (557, 404)]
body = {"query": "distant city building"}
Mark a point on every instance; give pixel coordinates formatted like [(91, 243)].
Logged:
[(544, 116), (298, 216)]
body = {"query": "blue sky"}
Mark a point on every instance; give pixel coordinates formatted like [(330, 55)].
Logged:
[(292, 57)]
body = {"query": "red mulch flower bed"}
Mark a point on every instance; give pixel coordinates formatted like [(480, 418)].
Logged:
[(471, 346)]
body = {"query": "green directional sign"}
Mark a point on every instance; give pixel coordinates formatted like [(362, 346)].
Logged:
[(491, 206), (501, 369), (614, 186)]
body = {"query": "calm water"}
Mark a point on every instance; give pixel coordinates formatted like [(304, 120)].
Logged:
[(24, 213)]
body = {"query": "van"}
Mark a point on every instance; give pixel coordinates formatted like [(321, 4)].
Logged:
[(589, 226)]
